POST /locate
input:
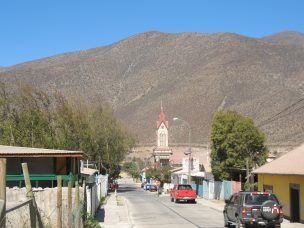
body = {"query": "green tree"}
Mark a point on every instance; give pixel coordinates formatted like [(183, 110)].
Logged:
[(163, 174), (234, 139), (131, 168), (32, 118)]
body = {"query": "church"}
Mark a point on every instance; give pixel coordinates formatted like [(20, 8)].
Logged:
[(162, 151)]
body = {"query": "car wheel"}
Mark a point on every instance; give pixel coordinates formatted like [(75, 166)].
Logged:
[(270, 210), (172, 199), (226, 223), (239, 224), (175, 200)]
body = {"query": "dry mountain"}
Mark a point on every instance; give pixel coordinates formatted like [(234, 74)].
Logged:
[(194, 74)]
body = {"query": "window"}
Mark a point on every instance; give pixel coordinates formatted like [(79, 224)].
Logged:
[(268, 188), (184, 187), (162, 139)]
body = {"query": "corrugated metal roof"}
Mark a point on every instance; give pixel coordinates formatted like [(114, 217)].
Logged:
[(288, 164), (13, 151)]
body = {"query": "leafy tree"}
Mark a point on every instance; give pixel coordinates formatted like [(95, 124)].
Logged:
[(131, 168), (32, 118), (234, 139), (163, 174)]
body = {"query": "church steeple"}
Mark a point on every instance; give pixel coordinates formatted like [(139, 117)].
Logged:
[(162, 126)]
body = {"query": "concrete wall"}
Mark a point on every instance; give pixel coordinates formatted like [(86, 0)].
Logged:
[(281, 187), (46, 201)]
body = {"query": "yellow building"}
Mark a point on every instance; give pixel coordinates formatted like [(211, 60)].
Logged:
[(285, 177)]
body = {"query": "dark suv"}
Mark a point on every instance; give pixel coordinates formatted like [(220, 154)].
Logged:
[(245, 209)]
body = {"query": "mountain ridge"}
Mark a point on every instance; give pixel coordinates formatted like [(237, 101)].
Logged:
[(194, 74)]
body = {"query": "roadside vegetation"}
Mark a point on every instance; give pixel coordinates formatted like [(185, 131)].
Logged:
[(235, 143), (163, 174), (33, 118)]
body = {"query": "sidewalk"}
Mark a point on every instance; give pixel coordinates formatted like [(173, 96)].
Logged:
[(115, 212), (217, 205)]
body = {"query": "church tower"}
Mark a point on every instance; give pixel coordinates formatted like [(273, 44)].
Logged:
[(162, 151)]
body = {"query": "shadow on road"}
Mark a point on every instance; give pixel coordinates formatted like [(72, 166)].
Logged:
[(125, 189)]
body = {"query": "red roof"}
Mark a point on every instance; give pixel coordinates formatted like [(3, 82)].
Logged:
[(162, 119)]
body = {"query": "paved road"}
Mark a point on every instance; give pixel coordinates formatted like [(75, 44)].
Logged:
[(148, 210)]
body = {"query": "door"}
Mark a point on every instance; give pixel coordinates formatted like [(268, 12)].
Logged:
[(294, 203), (231, 209)]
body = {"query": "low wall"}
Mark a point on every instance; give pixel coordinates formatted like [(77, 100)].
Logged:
[(46, 202)]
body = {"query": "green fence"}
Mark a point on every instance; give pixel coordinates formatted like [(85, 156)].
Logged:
[(35, 178)]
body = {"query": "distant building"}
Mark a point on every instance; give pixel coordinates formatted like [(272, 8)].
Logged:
[(284, 176), (162, 152)]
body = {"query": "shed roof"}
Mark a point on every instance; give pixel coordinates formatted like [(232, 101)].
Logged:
[(13, 151), (288, 164), (88, 171)]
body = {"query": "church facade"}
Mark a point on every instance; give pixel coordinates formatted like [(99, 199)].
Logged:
[(162, 151)]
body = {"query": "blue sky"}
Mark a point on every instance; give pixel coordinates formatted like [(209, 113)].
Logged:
[(35, 29)]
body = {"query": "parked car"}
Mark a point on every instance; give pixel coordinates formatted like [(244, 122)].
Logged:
[(245, 209), (153, 188), (147, 186), (182, 192), (113, 186)]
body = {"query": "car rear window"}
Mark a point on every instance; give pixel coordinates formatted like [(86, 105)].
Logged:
[(259, 199), (184, 187)]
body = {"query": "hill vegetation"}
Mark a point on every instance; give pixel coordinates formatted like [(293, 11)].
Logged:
[(33, 118)]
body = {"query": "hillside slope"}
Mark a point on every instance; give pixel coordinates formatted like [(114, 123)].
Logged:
[(194, 74)]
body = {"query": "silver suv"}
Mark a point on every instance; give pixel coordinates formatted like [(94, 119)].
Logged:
[(252, 209)]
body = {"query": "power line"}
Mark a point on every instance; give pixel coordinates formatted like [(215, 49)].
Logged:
[(277, 116)]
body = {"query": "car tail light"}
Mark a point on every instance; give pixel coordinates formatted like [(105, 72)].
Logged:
[(245, 211), (281, 212)]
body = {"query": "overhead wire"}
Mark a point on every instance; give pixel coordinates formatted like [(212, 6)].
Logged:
[(277, 116)]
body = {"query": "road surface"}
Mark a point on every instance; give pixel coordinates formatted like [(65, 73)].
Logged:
[(147, 210)]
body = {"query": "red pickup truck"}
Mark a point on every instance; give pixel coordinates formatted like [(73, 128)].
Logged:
[(182, 192)]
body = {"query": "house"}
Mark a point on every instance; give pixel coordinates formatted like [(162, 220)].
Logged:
[(44, 165), (284, 176)]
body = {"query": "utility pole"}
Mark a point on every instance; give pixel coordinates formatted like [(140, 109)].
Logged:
[(190, 152)]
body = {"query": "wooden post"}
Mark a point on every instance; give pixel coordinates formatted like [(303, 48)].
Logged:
[(28, 186), (29, 194), (77, 219), (70, 204), (59, 202), (2, 191), (84, 207)]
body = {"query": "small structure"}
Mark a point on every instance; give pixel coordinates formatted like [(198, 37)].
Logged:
[(285, 177), (180, 175), (44, 165), (162, 152)]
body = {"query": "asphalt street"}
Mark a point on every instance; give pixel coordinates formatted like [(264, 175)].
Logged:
[(147, 210)]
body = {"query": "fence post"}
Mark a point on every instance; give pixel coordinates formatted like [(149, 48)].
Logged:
[(29, 193), (59, 202), (2, 191), (77, 219), (70, 204)]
